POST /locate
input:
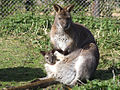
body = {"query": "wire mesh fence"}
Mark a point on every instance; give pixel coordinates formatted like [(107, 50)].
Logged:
[(97, 8)]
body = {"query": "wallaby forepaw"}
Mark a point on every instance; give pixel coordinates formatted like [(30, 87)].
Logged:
[(59, 55), (56, 53)]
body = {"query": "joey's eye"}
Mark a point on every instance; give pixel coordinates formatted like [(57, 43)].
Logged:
[(47, 58)]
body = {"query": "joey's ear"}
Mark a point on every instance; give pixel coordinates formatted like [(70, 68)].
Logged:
[(69, 7), (43, 53), (57, 8)]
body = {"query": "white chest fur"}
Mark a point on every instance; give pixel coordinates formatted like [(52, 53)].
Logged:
[(62, 41)]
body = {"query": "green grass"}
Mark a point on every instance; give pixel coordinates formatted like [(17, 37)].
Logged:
[(22, 36)]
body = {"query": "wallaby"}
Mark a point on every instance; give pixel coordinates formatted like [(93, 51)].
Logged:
[(66, 35), (70, 37)]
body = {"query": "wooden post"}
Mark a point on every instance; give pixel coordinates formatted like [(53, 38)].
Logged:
[(96, 8)]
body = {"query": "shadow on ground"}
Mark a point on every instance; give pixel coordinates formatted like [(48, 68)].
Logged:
[(106, 74), (27, 74), (21, 74)]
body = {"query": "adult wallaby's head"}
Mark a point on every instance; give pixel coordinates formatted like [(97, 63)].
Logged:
[(63, 18)]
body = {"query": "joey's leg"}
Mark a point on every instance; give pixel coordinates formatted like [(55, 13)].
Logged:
[(74, 82), (59, 55), (77, 79)]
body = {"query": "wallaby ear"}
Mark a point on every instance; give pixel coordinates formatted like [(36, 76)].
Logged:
[(43, 53), (69, 7), (57, 8)]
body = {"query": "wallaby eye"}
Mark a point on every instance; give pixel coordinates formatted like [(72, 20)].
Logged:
[(47, 58)]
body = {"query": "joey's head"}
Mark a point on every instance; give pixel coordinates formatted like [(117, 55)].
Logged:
[(49, 57), (63, 18)]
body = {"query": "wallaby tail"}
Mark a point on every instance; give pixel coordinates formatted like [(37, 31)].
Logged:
[(32, 86)]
